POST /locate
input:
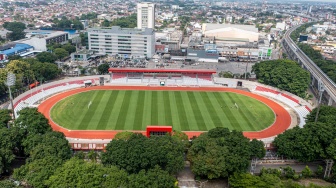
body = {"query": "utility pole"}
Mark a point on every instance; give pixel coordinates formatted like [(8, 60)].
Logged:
[(321, 90)]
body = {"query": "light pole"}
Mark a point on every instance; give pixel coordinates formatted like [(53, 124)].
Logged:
[(10, 82), (249, 57)]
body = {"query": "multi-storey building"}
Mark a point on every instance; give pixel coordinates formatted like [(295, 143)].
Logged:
[(128, 43), (39, 39), (145, 15)]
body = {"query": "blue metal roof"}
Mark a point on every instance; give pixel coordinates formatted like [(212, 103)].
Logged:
[(18, 48)]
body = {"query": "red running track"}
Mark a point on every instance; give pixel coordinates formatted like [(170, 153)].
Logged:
[(282, 120)]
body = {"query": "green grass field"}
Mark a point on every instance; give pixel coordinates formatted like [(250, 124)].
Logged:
[(184, 110)]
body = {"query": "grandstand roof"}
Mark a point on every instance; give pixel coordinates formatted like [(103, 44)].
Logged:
[(18, 48), (186, 71)]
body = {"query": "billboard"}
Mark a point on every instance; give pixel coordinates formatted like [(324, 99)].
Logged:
[(269, 52), (303, 38)]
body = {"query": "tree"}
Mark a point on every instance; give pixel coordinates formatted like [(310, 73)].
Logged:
[(306, 172), (5, 117), (12, 139), (301, 146), (46, 57), (45, 71), (327, 114), (226, 74), (8, 184), (35, 173), (125, 135), (14, 25), (248, 180), (103, 68), (61, 53), (31, 60), (183, 137), (219, 153), (289, 172), (78, 173), (155, 178), (17, 30), (69, 48), (89, 16), (3, 78), (14, 57), (257, 148), (22, 71), (140, 152), (283, 74), (313, 140), (53, 144), (272, 171), (125, 22), (92, 155), (105, 23), (32, 121), (6, 158)]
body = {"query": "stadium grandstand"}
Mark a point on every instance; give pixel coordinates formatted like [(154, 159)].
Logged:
[(163, 77)]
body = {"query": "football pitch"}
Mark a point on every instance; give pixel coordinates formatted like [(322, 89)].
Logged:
[(184, 110)]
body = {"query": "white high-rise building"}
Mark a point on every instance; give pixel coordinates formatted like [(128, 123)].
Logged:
[(146, 15), (127, 43)]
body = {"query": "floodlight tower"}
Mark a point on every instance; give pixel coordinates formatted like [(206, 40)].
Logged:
[(10, 82)]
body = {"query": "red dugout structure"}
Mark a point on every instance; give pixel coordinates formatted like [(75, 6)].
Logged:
[(158, 130)]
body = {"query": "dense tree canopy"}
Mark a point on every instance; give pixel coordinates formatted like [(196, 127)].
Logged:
[(65, 23), (78, 173), (140, 152), (35, 173), (22, 71), (283, 74), (154, 178), (123, 22), (32, 122), (17, 30), (220, 153), (239, 180), (8, 184), (313, 140), (103, 68), (10, 141), (46, 57), (61, 53), (89, 16), (5, 117), (45, 71), (53, 144), (69, 48), (125, 135)]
